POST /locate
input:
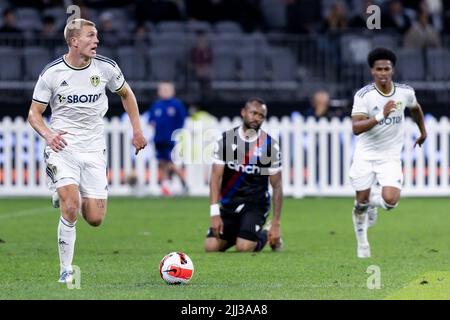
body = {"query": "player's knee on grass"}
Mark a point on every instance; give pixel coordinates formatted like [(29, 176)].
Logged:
[(243, 245), (212, 245)]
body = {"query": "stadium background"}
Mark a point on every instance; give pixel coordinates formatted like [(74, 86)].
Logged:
[(282, 50)]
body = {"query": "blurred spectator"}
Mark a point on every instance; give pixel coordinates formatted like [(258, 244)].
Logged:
[(395, 17), (303, 15), (38, 4), (105, 3), (320, 106), (9, 23), (109, 36), (48, 28), (86, 13), (336, 21), (201, 60), (167, 115), (48, 35), (215, 10), (156, 11), (412, 4), (359, 20), (251, 17), (141, 38), (435, 9), (422, 34), (9, 33)]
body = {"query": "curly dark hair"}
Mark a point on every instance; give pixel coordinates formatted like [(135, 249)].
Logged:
[(381, 54)]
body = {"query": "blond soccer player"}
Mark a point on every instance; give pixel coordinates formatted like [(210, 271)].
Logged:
[(74, 86)]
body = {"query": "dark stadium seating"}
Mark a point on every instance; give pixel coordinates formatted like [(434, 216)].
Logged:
[(10, 64), (132, 63), (438, 64), (250, 49), (35, 59), (224, 66), (408, 57)]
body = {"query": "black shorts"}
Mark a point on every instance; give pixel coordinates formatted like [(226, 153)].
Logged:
[(246, 224)]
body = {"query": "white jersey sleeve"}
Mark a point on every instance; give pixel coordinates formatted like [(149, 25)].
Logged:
[(360, 106), (42, 92), (411, 99), (116, 80)]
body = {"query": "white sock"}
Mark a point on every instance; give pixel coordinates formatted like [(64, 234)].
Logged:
[(376, 200), (66, 243), (360, 222)]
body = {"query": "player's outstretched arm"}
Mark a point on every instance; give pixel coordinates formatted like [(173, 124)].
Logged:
[(54, 139), (130, 105), (214, 197), (277, 199), (417, 115)]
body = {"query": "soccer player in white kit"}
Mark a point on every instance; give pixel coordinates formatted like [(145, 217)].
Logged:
[(378, 122), (74, 87)]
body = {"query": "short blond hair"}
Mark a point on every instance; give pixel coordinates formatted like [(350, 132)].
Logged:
[(73, 28)]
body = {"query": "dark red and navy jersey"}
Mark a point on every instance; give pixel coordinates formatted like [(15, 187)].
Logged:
[(248, 165)]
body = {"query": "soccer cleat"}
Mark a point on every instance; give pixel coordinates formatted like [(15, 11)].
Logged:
[(275, 245), (55, 200), (66, 277), (363, 251), (372, 212)]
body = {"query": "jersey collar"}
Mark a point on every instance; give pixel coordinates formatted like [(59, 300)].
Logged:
[(75, 68), (384, 94), (242, 136)]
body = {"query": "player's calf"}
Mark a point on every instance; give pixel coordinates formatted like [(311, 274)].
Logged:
[(94, 211)]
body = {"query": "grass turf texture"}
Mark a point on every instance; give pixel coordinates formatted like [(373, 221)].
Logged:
[(120, 259)]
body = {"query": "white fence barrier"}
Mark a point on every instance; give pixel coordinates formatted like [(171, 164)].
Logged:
[(316, 158)]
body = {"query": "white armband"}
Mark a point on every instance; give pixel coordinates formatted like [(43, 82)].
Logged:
[(379, 116), (214, 210)]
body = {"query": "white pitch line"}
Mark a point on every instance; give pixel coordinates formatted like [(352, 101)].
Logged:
[(24, 213)]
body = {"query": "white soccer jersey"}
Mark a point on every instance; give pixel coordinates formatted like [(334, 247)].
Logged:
[(385, 140), (78, 100)]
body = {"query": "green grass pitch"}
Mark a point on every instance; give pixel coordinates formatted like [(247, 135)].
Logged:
[(120, 260)]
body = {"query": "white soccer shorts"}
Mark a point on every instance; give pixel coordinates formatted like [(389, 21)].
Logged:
[(85, 169), (363, 173)]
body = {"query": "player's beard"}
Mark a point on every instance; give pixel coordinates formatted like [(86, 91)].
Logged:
[(252, 125)]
